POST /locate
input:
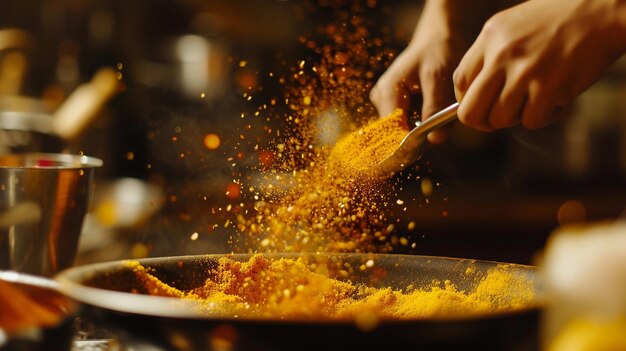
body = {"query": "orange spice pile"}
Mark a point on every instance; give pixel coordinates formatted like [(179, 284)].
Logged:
[(303, 289)]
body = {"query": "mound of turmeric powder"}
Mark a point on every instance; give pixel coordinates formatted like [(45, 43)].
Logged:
[(358, 152), (300, 289)]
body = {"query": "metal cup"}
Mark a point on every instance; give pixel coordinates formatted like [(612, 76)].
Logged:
[(43, 200)]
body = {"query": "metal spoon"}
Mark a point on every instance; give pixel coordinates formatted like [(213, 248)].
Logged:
[(410, 148)]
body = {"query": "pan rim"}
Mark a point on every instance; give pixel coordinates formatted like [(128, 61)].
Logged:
[(169, 307)]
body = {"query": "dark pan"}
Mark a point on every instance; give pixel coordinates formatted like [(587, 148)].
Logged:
[(106, 292)]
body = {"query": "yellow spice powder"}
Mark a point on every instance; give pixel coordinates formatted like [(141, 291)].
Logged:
[(295, 289), (315, 197), (334, 205), (359, 151)]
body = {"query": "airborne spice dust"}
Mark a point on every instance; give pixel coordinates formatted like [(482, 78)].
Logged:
[(313, 196), (318, 197)]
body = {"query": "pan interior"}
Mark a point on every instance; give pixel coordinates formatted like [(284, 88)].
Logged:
[(115, 285)]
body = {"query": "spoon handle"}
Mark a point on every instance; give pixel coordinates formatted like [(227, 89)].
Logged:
[(437, 120)]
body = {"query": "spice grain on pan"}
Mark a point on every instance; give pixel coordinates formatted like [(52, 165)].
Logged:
[(301, 289)]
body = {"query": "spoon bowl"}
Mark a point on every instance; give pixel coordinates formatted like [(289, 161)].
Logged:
[(410, 148)]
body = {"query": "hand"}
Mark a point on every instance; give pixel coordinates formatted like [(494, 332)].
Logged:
[(426, 65), (532, 59)]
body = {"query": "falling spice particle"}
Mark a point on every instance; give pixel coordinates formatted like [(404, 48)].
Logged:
[(427, 187), (411, 225), (233, 190), (311, 197), (139, 250), (212, 141)]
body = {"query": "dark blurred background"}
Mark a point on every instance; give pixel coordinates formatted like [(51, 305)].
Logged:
[(184, 66)]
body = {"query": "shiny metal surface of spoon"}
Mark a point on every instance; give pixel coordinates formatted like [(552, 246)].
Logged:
[(410, 148)]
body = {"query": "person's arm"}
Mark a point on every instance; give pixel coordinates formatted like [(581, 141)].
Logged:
[(444, 32), (534, 58)]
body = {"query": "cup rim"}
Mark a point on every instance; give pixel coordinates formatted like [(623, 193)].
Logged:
[(48, 161)]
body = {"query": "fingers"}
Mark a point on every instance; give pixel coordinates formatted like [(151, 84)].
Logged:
[(477, 102), (476, 88), (488, 106), (467, 70), (507, 108), (437, 93), (492, 96), (387, 96), (438, 136), (390, 91), (537, 111)]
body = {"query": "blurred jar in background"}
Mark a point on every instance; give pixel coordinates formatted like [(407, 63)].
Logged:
[(584, 272)]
